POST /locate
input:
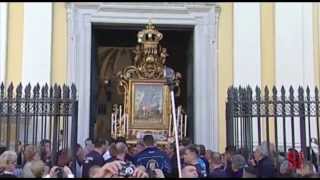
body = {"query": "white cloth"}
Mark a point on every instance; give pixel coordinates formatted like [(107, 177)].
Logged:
[(106, 155)]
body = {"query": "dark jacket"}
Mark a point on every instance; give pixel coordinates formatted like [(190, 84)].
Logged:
[(174, 165), (218, 172), (7, 175), (228, 169), (265, 168), (156, 156), (92, 159)]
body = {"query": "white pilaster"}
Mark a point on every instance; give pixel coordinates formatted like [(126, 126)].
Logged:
[(3, 39), (37, 42), (294, 54), (247, 50), (247, 46)]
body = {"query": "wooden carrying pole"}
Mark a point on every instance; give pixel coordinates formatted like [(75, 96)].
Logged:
[(171, 86)]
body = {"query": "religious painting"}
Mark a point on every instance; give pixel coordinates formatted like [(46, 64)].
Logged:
[(149, 104)]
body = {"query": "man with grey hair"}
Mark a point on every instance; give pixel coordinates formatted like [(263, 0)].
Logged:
[(238, 164), (262, 162)]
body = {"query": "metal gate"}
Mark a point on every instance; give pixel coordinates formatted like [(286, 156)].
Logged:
[(287, 119), (30, 115)]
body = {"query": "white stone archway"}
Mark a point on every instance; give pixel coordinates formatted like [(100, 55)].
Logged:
[(203, 16)]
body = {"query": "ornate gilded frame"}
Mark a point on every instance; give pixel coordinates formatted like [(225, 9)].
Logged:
[(148, 68)]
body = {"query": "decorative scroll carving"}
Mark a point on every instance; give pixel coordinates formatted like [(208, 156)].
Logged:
[(148, 68)]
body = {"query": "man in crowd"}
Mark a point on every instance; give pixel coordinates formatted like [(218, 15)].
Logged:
[(127, 155), (45, 152), (139, 147), (217, 167), (119, 152), (202, 151), (262, 163), (153, 157), (191, 156), (229, 152), (189, 171), (95, 157), (88, 146)]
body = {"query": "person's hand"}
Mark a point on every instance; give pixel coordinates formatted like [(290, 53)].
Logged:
[(52, 171), (46, 171), (159, 173), (109, 169), (140, 172), (252, 162), (67, 170)]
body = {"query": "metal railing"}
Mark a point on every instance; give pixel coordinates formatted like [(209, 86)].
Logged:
[(33, 114), (285, 120)]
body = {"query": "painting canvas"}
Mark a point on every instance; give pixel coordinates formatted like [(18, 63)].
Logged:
[(149, 106), (148, 102)]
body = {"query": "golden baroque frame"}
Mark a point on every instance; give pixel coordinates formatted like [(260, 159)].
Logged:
[(148, 69)]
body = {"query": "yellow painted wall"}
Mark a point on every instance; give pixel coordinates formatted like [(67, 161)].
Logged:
[(225, 51), (268, 72), (59, 44), (316, 41), (225, 66), (267, 45), (15, 43)]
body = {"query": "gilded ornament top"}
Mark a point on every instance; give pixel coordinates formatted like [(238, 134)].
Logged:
[(150, 36), (149, 60)]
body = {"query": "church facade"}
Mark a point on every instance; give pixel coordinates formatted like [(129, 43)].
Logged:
[(222, 44)]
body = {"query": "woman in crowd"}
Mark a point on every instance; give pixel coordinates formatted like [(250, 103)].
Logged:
[(238, 164), (8, 162), (287, 169), (35, 169), (216, 165), (307, 170)]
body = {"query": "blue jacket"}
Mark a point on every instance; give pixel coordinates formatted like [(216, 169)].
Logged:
[(207, 164), (152, 156), (201, 168)]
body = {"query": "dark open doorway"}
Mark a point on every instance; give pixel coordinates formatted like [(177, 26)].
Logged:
[(112, 44)]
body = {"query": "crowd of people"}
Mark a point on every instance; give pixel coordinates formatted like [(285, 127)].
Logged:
[(101, 158)]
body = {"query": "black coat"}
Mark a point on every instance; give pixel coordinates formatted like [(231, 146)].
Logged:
[(265, 168), (5, 175)]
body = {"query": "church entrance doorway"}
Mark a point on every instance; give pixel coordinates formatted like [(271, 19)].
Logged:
[(112, 47)]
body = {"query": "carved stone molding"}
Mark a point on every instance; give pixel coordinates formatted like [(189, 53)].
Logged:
[(202, 16)]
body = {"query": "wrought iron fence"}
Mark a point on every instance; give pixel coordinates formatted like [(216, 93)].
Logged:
[(31, 115), (286, 119)]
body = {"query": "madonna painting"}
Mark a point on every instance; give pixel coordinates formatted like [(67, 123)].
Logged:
[(148, 103)]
